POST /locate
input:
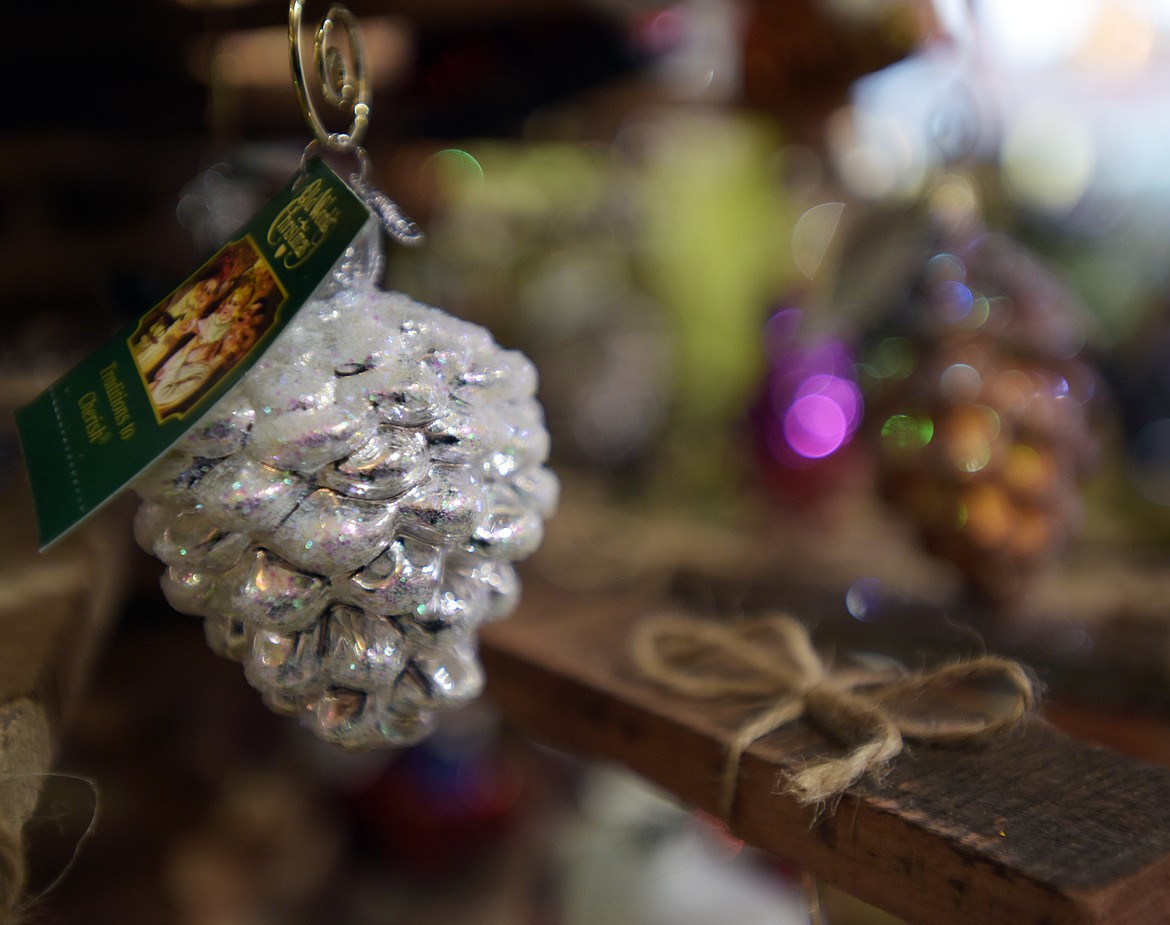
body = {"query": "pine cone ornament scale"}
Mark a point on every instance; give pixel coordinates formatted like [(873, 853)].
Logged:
[(349, 513)]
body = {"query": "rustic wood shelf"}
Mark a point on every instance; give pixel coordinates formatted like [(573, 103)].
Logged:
[(1035, 827)]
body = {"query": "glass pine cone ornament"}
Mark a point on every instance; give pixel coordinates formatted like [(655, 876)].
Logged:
[(983, 405), (349, 513)]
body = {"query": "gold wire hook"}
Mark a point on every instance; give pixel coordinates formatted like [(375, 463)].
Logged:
[(339, 86)]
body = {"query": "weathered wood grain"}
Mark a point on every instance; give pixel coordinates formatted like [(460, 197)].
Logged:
[(1034, 827)]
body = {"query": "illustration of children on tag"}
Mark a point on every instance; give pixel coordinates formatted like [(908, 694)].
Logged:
[(189, 342)]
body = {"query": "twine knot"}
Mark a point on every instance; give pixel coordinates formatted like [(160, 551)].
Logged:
[(772, 660)]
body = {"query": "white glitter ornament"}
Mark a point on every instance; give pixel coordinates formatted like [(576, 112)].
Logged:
[(347, 515)]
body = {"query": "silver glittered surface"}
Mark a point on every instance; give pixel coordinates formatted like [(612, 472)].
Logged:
[(348, 515)]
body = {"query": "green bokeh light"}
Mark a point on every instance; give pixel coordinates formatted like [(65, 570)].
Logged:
[(454, 166), (907, 432)]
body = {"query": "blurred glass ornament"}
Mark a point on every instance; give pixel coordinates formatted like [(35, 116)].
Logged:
[(540, 242), (714, 225), (981, 403), (441, 808), (808, 412), (348, 514)]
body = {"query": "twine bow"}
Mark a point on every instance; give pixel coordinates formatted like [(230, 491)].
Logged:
[(772, 659)]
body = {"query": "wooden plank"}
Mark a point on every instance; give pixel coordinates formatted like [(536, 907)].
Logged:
[(1034, 827)]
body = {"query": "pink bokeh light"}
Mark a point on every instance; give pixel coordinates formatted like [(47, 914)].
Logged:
[(812, 403), (814, 426)]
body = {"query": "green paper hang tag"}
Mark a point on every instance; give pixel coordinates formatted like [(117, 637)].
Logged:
[(94, 430)]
